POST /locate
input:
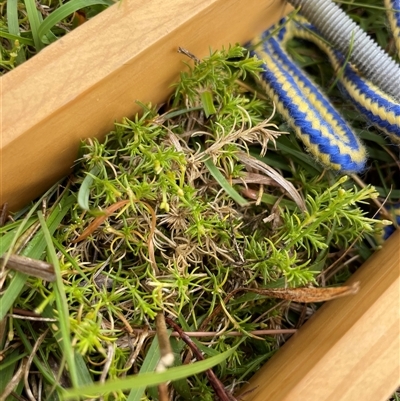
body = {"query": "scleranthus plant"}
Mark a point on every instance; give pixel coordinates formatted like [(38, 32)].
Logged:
[(332, 208), (175, 211)]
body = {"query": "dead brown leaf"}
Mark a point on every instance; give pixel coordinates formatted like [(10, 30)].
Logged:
[(270, 172)]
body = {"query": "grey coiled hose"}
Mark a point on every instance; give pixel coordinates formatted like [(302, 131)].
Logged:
[(345, 35)]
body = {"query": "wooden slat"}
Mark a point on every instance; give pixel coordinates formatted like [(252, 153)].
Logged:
[(349, 350), (79, 85)]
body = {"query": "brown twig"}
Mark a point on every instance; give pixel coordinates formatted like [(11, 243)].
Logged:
[(167, 356), (29, 363), (13, 383), (32, 318), (214, 381), (200, 334), (187, 53), (3, 214), (135, 347), (163, 392), (32, 267)]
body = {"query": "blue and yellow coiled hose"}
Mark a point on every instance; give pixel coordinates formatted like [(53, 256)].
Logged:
[(314, 120), (380, 109), (393, 13), (344, 34)]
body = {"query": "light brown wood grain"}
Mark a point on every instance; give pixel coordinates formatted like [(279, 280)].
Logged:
[(349, 350), (77, 87)]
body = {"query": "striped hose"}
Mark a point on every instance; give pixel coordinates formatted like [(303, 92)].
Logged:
[(314, 120)]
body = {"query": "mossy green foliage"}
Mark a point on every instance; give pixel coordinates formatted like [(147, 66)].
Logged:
[(171, 238)]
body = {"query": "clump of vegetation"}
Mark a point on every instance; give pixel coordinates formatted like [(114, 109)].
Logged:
[(177, 210), (27, 26), (203, 213)]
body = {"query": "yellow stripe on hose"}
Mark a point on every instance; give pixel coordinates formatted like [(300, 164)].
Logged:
[(379, 108), (313, 118), (393, 14)]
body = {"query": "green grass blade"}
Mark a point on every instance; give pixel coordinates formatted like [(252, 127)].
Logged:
[(12, 17), (23, 40), (18, 281), (148, 379), (149, 365), (11, 360), (36, 247), (84, 190), (62, 304), (64, 11), (49, 38), (33, 250), (7, 368), (43, 368), (224, 183), (34, 21), (288, 146), (208, 103), (271, 159), (83, 372), (181, 386), (7, 239), (11, 293), (13, 26)]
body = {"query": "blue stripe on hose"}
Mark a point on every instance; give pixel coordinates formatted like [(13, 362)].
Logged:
[(395, 5), (330, 140), (321, 138), (393, 14), (324, 107), (335, 26), (380, 109), (379, 106)]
